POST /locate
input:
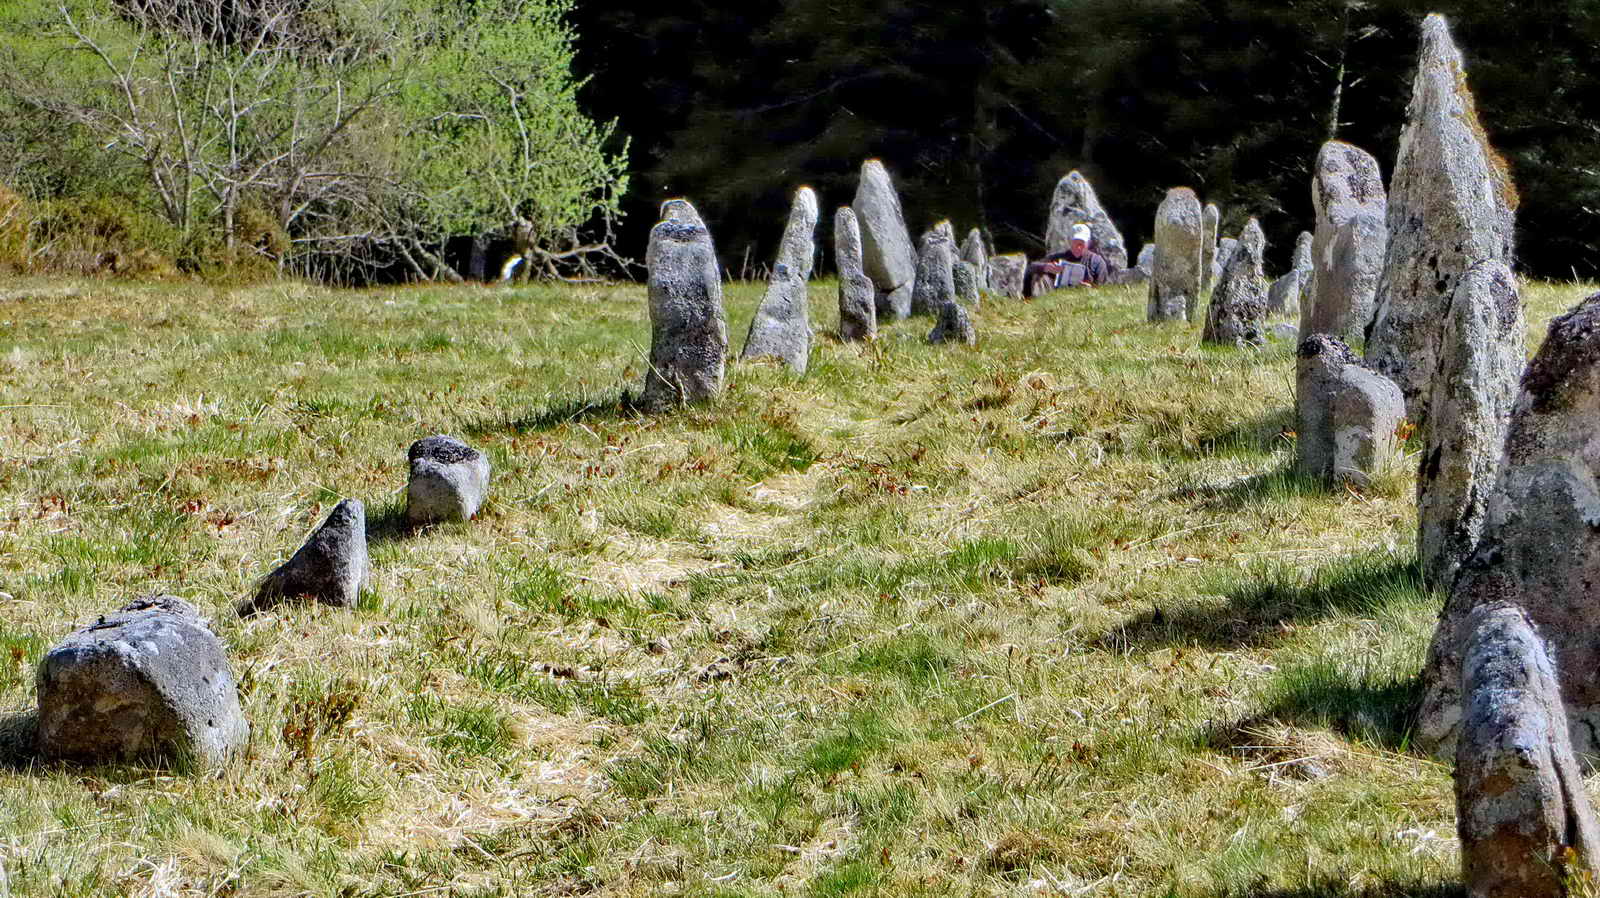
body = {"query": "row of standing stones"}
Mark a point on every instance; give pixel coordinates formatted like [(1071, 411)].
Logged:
[(882, 274), (1508, 482), (1507, 479), (1508, 488), (151, 682)]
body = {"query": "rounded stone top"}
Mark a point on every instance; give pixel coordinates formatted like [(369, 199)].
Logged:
[(1568, 359), (445, 450), (1332, 348)]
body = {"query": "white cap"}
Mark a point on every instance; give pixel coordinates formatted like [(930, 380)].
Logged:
[(1081, 232)]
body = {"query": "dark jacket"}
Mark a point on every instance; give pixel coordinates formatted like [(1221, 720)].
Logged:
[(1099, 272)]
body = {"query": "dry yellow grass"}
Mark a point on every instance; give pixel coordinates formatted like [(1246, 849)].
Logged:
[(1045, 617)]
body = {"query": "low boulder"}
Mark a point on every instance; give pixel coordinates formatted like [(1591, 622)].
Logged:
[(449, 481), (1348, 416), (149, 683)]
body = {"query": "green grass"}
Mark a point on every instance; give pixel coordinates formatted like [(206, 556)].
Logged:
[(1050, 616)]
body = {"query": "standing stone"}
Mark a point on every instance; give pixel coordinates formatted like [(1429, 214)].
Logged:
[(688, 335), (1147, 259), (1175, 282), (1225, 248), (858, 317), (1238, 311), (954, 326), (1347, 416), (782, 325), (974, 253), (1348, 247), (1074, 201), (1210, 224), (1451, 205), (1521, 810), (887, 254), (1481, 357), (1006, 274), (1540, 545), (449, 481), (935, 283), (1284, 297), (964, 277), (683, 210), (330, 568), (149, 683)]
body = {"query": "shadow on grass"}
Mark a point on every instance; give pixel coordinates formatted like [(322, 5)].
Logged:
[(389, 524), (604, 407), (1331, 888), (1263, 433), (1273, 486), (1263, 600), (17, 732), (1379, 708)]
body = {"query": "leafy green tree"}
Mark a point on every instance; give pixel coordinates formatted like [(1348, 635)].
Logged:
[(305, 130)]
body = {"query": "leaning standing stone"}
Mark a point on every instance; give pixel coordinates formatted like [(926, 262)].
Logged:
[(782, 326), (1285, 295), (1175, 284), (688, 335), (1540, 545), (974, 253), (1522, 813), (889, 258), (449, 481), (1210, 224), (1480, 361), (1074, 201), (330, 568), (1451, 206), (1006, 274), (964, 277), (858, 317), (1348, 246), (1347, 416), (935, 283), (149, 683), (1238, 311)]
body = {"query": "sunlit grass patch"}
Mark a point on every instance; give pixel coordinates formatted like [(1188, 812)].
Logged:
[(1051, 615)]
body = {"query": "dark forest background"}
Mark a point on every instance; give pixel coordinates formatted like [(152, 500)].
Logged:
[(979, 107)]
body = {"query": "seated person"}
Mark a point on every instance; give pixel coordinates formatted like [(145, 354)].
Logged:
[(1094, 269)]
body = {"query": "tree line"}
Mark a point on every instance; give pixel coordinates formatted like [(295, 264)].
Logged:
[(979, 107)]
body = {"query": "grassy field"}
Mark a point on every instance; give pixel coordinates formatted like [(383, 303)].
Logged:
[(1047, 617)]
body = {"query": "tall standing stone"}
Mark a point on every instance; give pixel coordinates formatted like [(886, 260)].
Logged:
[(782, 325), (1481, 357), (1522, 813), (858, 316), (1074, 201), (1175, 283), (975, 254), (1346, 415), (1210, 224), (1349, 242), (1540, 545), (1451, 205), (887, 254), (1006, 273), (1284, 297), (688, 334), (1238, 310), (935, 277)]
